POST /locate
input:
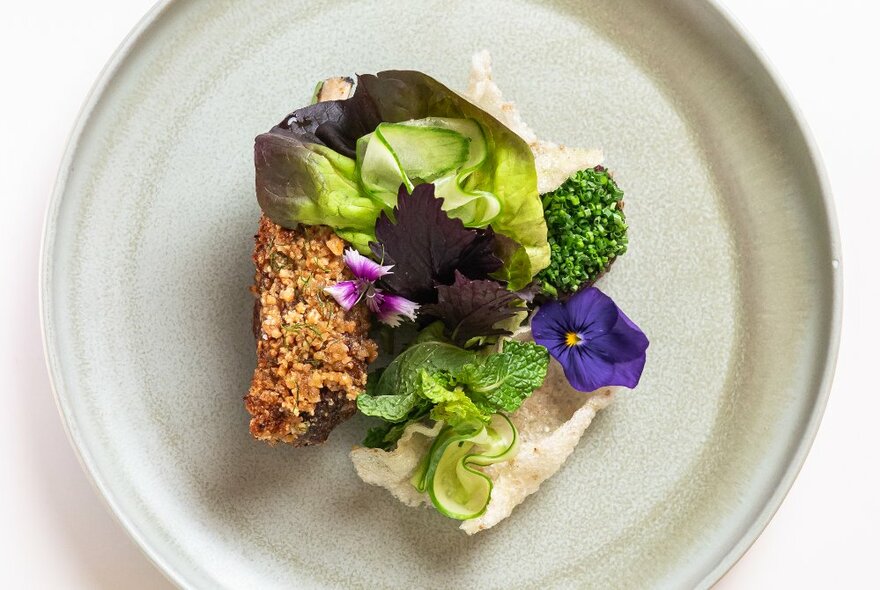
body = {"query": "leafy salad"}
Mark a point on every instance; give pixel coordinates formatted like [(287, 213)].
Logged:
[(474, 283)]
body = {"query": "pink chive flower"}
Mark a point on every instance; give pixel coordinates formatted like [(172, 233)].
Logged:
[(389, 309)]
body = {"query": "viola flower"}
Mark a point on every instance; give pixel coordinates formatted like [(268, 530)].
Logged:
[(388, 308), (593, 340)]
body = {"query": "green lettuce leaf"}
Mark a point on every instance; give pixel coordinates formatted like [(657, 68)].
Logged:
[(309, 183), (517, 263)]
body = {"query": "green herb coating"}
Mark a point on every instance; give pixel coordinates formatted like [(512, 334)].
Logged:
[(586, 230)]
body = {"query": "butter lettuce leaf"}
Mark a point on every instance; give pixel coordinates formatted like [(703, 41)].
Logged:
[(309, 183), (508, 171)]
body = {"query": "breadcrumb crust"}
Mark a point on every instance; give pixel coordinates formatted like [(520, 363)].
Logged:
[(312, 355)]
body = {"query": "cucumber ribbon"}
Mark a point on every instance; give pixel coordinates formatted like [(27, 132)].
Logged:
[(449, 472), (444, 151)]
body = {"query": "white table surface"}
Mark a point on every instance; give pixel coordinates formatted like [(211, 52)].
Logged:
[(54, 529)]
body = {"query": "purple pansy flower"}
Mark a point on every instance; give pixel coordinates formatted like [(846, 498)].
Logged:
[(593, 340), (387, 307)]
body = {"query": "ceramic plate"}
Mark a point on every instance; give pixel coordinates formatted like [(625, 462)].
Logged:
[(732, 272)]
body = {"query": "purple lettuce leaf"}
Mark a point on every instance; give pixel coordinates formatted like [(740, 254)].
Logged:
[(305, 168), (336, 124)]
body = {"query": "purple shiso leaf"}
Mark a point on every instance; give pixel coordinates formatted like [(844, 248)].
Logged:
[(392, 308), (364, 268), (426, 246), (479, 260), (346, 293), (609, 348), (470, 309)]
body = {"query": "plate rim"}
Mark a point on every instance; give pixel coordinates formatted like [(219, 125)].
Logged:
[(52, 358)]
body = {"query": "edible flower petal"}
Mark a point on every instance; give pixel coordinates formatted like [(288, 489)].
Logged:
[(390, 309), (594, 341), (393, 308), (345, 293), (364, 268)]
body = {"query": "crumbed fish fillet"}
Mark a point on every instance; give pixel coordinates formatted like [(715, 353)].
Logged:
[(312, 355)]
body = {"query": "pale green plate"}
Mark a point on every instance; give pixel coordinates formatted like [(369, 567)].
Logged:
[(733, 272)]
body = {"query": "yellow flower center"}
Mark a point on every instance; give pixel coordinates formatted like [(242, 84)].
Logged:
[(572, 339)]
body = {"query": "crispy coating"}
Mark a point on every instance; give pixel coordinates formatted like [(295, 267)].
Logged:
[(311, 354)]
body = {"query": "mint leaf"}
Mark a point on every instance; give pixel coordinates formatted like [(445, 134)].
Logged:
[(502, 381), (395, 395), (427, 247), (451, 403), (471, 309), (438, 380), (393, 408), (431, 332), (384, 436)]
